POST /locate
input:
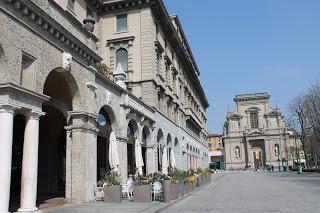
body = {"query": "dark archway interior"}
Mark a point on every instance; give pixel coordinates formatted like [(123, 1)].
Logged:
[(159, 140), (145, 138), (130, 148), (52, 138), (16, 168), (103, 144)]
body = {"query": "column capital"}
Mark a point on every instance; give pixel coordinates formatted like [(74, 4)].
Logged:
[(34, 115), (8, 108)]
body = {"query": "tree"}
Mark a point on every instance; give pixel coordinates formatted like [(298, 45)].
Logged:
[(313, 109), (298, 121)]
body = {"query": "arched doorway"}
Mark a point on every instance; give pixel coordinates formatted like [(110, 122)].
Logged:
[(52, 136), (104, 126), (160, 141), (132, 132)]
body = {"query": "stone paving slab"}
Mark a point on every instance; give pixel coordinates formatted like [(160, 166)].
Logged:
[(246, 192)]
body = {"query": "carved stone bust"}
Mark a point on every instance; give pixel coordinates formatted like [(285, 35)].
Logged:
[(109, 96), (67, 60)]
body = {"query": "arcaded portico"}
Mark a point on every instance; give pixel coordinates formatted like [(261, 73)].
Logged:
[(58, 108)]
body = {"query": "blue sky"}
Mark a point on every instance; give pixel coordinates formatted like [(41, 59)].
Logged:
[(245, 46)]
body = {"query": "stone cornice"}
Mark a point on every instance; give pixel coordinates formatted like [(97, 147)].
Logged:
[(12, 87), (123, 39), (43, 24), (252, 97)]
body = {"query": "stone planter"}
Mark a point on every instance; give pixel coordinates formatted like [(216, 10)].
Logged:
[(166, 190), (142, 194), (180, 189), (185, 188), (174, 191), (112, 194), (189, 187)]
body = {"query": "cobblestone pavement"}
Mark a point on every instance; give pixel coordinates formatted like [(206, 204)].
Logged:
[(255, 192)]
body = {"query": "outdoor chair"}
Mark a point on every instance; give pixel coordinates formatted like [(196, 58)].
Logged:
[(99, 192), (157, 191), (127, 190)]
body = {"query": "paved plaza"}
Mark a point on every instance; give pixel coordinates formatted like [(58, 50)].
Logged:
[(255, 192)]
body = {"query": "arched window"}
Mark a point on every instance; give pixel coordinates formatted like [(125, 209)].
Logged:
[(237, 151), (276, 149), (122, 58)]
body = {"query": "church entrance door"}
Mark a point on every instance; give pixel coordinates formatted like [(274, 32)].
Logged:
[(257, 159)]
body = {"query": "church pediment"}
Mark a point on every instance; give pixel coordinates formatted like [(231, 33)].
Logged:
[(273, 112)]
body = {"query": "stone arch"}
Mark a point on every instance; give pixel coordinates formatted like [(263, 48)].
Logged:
[(60, 85), (63, 91), (112, 116), (160, 142), (160, 136), (146, 135), (60, 78), (169, 140), (104, 124)]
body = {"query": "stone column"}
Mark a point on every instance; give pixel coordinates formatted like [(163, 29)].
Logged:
[(29, 177), (249, 153), (6, 131), (150, 159), (81, 157), (123, 167)]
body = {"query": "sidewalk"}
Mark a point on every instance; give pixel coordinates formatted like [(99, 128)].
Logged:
[(125, 206)]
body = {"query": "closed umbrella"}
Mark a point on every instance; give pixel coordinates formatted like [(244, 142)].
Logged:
[(113, 152), (164, 161), (173, 159), (138, 157)]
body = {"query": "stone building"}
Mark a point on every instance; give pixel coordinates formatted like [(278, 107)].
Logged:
[(255, 135), (216, 151), (58, 108)]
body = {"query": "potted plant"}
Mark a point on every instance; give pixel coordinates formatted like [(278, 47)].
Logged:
[(142, 191), (112, 187)]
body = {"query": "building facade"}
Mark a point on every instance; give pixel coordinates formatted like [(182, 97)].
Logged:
[(73, 72), (216, 152), (255, 135)]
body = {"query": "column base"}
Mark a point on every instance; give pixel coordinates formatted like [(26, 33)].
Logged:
[(28, 209)]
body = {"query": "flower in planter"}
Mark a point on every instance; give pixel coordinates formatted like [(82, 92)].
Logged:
[(111, 178)]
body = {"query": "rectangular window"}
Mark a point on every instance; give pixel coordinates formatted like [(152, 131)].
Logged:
[(254, 120), (70, 4), (122, 23)]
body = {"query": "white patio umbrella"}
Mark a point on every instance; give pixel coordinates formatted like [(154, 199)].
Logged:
[(164, 161), (113, 152), (173, 159), (138, 156)]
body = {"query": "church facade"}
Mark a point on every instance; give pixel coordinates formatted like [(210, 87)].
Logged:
[(255, 135), (73, 72)]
